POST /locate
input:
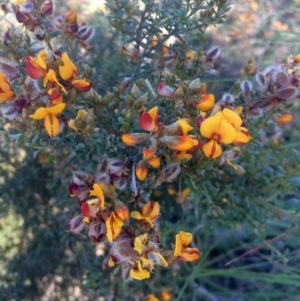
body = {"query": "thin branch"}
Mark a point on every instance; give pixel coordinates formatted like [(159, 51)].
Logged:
[(266, 243)]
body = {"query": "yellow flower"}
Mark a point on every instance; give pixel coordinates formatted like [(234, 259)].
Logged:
[(68, 70), (190, 55), (184, 127), (51, 77), (218, 130), (242, 134), (138, 272), (150, 213), (80, 116), (139, 243), (51, 122), (113, 227), (183, 239), (6, 92), (98, 192)]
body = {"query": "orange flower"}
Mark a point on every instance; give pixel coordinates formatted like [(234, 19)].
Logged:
[(113, 226), (121, 210), (218, 130), (150, 158), (6, 92), (284, 118), (206, 102), (150, 213), (82, 85), (166, 295), (134, 138), (55, 96), (51, 122), (132, 53), (36, 68), (180, 143), (183, 239), (149, 120), (141, 170), (71, 17)]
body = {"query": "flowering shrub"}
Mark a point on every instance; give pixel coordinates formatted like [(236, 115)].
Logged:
[(161, 124)]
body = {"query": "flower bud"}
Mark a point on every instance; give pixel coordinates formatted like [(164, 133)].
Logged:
[(39, 33), (89, 118), (228, 98), (164, 90), (20, 104), (195, 86), (213, 53), (71, 17), (21, 17), (169, 173), (246, 86), (85, 33), (178, 94), (120, 183), (115, 165), (109, 191), (76, 224), (47, 8), (97, 231)]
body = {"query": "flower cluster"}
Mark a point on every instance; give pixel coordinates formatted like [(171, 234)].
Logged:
[(138, 248), (57, 80), (58, 75), (142, 140)]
